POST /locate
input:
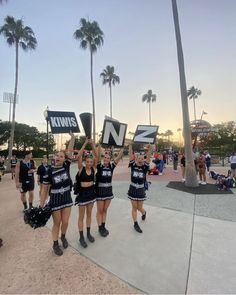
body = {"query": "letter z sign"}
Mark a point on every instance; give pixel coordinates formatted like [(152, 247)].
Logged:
[(113, 133), (63, 122), (145, 134)]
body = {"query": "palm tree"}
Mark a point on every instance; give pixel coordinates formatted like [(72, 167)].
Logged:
[(20, 36), (193, 94), (149, 97), (108, 76), (191, 177), (168, 134), (90, 36), (179, 131)]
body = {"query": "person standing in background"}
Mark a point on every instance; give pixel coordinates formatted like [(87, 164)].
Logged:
[(13, 166), (232, 160), (182, 164), (175, 157), (24, 178), (208, 161)]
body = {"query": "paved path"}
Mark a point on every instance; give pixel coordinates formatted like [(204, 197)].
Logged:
[(187, 246)]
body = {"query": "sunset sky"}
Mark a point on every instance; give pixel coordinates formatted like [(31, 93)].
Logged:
[(140, 42)]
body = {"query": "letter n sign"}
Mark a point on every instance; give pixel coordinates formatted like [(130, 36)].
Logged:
[(113, 133), (145, 134)]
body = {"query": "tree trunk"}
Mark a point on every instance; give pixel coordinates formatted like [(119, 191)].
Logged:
[(150, 119), (93, 100), (191, 177), (13, 109), (110, 100)]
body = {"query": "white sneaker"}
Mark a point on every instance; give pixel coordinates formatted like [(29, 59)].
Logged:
[(183, 180), (203, 183), (160, 173)]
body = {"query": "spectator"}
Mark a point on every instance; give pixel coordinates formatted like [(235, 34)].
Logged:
[(175, 158), (182, 164), (232, 160), (201, 166), (208, 161)]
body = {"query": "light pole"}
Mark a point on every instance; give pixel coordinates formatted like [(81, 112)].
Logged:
[(46, 118)]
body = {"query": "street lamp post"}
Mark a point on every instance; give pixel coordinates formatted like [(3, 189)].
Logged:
[(46, 118)]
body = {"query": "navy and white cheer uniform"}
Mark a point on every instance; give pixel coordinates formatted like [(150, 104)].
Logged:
[(60, 191), (138, 178), (85, 195), (104, 181), (13, 163), (26, 178), (43, 173)]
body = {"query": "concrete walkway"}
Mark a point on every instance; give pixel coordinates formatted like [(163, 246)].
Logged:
[(187, 246)]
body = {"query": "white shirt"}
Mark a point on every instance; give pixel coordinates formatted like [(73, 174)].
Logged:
[(232, 159)]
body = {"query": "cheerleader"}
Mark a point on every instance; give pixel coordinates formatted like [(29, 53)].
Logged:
[(139, 168), (24, 178), (104, 188), (85, 190), (13, 166), (43, 181), (60, 200)]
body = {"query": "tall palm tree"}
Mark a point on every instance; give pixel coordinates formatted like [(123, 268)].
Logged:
[(19, 36), (109, 77), (191, 177), (168, 134), (193, 94), (90, 36), (149, 97)]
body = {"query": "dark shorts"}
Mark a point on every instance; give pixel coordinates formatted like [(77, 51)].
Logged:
[(104, 193), (233, 166), (137, 194), (86, 196), (27, 186), (60, 201)]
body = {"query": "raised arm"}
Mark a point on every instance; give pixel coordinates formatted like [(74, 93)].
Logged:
[(149, 153), (99, 152), (130, 152), (117, 159), (80, 154), (71, 145), (95, 154)]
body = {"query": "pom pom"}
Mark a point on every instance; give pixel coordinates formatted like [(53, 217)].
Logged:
[(37, 216)]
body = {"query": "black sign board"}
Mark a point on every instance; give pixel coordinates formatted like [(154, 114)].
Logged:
[(63, 122), (145, 134), (113, 133)]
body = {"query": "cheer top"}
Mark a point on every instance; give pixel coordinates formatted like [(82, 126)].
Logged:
[(84, 177), (138, 174), (25, 175), (104, 174), (43, 173), (13, 163), (60, 180)]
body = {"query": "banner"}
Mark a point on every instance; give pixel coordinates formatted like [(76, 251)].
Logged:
[(63, 122), (145, 134), (113, 133)]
